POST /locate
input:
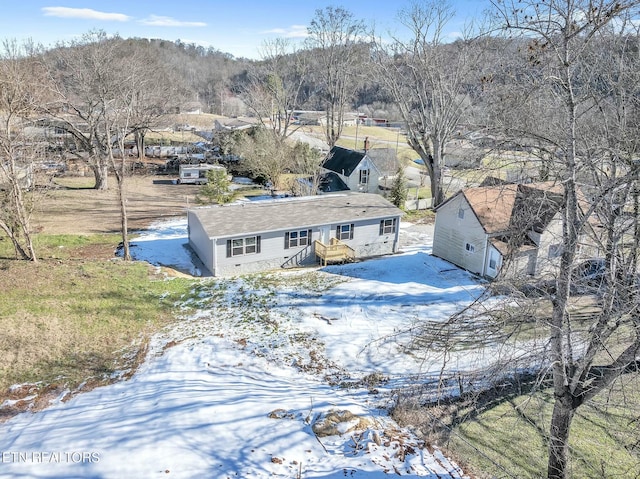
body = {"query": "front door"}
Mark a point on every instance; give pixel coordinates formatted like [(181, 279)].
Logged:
[(325, 234)]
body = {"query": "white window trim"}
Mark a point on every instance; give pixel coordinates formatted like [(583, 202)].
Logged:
[(299, 236), (345, 232), (388, 226), (242, 249)]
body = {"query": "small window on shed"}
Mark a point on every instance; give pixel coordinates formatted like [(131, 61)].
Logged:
[(460, 213), (470, 248)]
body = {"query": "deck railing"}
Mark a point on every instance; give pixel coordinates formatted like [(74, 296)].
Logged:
[(336, 250), (298, 259)]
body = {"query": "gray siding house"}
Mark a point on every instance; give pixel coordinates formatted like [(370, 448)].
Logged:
[(262, 235)]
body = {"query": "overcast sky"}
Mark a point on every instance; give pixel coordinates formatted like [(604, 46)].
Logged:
[(238, 27)]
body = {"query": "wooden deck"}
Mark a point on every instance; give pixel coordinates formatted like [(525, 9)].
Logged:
[(336, 251)]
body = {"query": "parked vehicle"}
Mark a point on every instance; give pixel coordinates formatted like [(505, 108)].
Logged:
[(196, 174)]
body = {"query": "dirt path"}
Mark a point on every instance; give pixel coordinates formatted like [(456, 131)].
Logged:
[(72, 208)]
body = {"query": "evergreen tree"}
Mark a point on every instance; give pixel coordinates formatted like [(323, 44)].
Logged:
[(218, 188), (398, 194)]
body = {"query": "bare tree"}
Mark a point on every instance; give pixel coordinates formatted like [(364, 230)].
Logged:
[(135, 91), (21, 92), (337, 44), (76, 71), (275, 86), (83, 73), (106, 91), (592, 117), (265, 155), (428, 79)]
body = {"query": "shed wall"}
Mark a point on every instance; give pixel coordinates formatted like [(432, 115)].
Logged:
[(452, 234)]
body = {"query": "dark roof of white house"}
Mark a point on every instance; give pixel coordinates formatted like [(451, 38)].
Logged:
[(256, 217), (345, 161), (342, 160)]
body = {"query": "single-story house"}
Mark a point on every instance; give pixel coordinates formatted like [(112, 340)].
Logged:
[(367, 171), (234, 124), (320, 118), (255, 236), (509, 229)]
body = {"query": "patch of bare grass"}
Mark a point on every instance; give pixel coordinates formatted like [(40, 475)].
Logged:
[(68, 321), (504, 433)]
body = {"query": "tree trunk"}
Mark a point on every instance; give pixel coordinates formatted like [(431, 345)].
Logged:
[(140, 144), (437, 194), (20, 221), (126, 253), (563, 412), (100, 173), (438, 162), (20, 252)]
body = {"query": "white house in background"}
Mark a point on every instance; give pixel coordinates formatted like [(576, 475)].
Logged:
[(479, 229), (234, 124), (255, 236), (367, 171)]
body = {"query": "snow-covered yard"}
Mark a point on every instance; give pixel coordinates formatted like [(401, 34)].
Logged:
[(240, 386)]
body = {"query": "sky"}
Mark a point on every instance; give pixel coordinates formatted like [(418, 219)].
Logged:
[(238, 27)]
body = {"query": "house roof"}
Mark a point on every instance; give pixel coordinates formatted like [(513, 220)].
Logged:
[(235, 123), (330, 182), (492, 205), (290, 213), (512, 208), (385, 159), (344, 161)]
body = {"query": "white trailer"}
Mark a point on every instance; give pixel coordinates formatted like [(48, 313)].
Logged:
[(196, 174)]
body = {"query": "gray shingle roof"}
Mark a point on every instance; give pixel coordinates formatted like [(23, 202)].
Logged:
[(291, 213)]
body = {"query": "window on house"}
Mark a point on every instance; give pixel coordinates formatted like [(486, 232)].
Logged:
[(388, 226), (493, 263), (461, 213), (364, 177), (242, 246), (470, 248), (344, 232), (293, 239)]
